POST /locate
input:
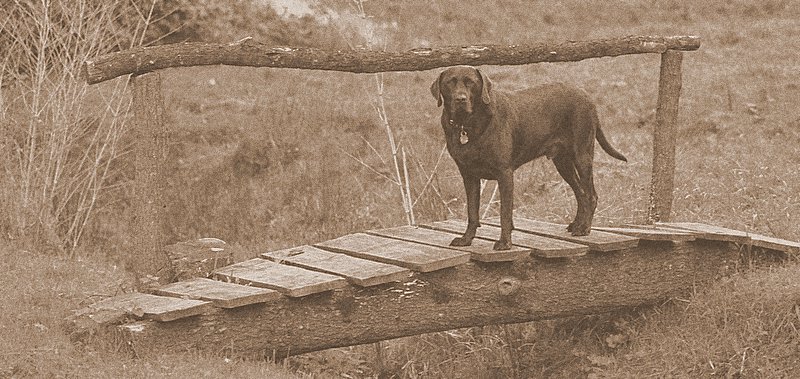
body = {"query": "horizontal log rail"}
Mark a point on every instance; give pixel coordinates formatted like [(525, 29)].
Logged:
[(247, 52)]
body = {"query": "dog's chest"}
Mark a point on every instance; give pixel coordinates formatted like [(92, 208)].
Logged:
[(477, 157)]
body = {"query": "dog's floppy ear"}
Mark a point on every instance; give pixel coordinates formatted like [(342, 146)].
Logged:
[(486, 85), (437, 94)]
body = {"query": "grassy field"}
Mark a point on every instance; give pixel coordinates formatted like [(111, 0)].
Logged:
[(267, 159)]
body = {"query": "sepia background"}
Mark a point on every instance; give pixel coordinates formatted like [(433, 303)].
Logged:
[(272, 158)]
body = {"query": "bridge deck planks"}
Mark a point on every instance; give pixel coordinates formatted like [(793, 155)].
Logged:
[(596, 240), (358, 271), (732, 235), (289, 280), (774, 243), (223, 294), (417, 248), (480, 250), (542, 246), (648, 233), (415, 256), (158, 308), (709, 232)]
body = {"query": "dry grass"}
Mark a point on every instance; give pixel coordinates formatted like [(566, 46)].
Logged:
[(744, 326), (262, 159), (40, 291)]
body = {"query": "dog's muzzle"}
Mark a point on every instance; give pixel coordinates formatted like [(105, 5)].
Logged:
[(462, 105)]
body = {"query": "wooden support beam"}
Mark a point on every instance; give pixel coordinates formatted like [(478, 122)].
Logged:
[(472, 294), (250, 53), (152, 141), (664, 135)]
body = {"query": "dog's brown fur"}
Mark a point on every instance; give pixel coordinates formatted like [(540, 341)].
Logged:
[(505, 130)]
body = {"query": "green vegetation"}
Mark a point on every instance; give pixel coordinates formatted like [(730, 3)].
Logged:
[(272, 158)]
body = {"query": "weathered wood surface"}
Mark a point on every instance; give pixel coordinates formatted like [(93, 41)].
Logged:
[(710, 232), (159, 308), (541, 246), (250, 53), (222, 294), (773, 243), (358, 271), (726, 234), (416, 256), (288, 280), (596, 240), (650, 234), (480, 250), (472, 294), (664, 136), (152, 141)]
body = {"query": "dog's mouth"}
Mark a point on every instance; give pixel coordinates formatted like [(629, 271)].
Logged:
[(461, 109)]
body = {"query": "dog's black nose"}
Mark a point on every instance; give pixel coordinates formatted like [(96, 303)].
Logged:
[(461, 98)]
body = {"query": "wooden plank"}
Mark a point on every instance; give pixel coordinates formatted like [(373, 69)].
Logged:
[(158, 308), (709, 232), (696, 234), (774, 243), (223, 294), (358, 271), (541, 246), (415, 256), (288, 280), (732, 235), (650, 233), (480, 250), (597, 241)]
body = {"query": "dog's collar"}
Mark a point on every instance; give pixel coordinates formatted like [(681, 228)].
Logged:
[(463, 138)]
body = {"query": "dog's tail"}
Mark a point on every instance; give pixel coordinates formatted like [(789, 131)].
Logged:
[(601, 138)]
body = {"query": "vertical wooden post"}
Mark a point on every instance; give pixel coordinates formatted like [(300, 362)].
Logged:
[(150, 157), (669, 92)]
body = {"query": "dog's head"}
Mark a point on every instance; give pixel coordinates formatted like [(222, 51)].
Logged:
[(460, 88)]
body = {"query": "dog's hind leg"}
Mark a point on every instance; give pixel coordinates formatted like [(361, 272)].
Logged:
[(566, 168), (583, 165)]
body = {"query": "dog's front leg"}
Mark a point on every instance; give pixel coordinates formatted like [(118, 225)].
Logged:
[(472, 187), (505, 182)]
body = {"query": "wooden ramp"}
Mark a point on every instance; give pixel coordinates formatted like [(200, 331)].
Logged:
[(408, 280)]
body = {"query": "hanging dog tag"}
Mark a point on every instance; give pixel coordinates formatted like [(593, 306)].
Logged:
[(463, 139)]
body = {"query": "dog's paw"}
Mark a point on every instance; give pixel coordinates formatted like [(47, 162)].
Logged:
[(580, 231), (461, 241), (502, 245)]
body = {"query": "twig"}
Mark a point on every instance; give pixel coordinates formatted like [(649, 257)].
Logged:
[(407, 200), (373, 150), (489, 203), (431, 176), (357, 159)]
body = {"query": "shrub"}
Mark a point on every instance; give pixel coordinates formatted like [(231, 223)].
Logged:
[(59, 140)]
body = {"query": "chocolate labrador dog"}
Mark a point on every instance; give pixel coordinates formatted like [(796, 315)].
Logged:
[(490, 133)]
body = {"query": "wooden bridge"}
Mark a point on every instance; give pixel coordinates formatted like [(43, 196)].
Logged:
[(401, 281)]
